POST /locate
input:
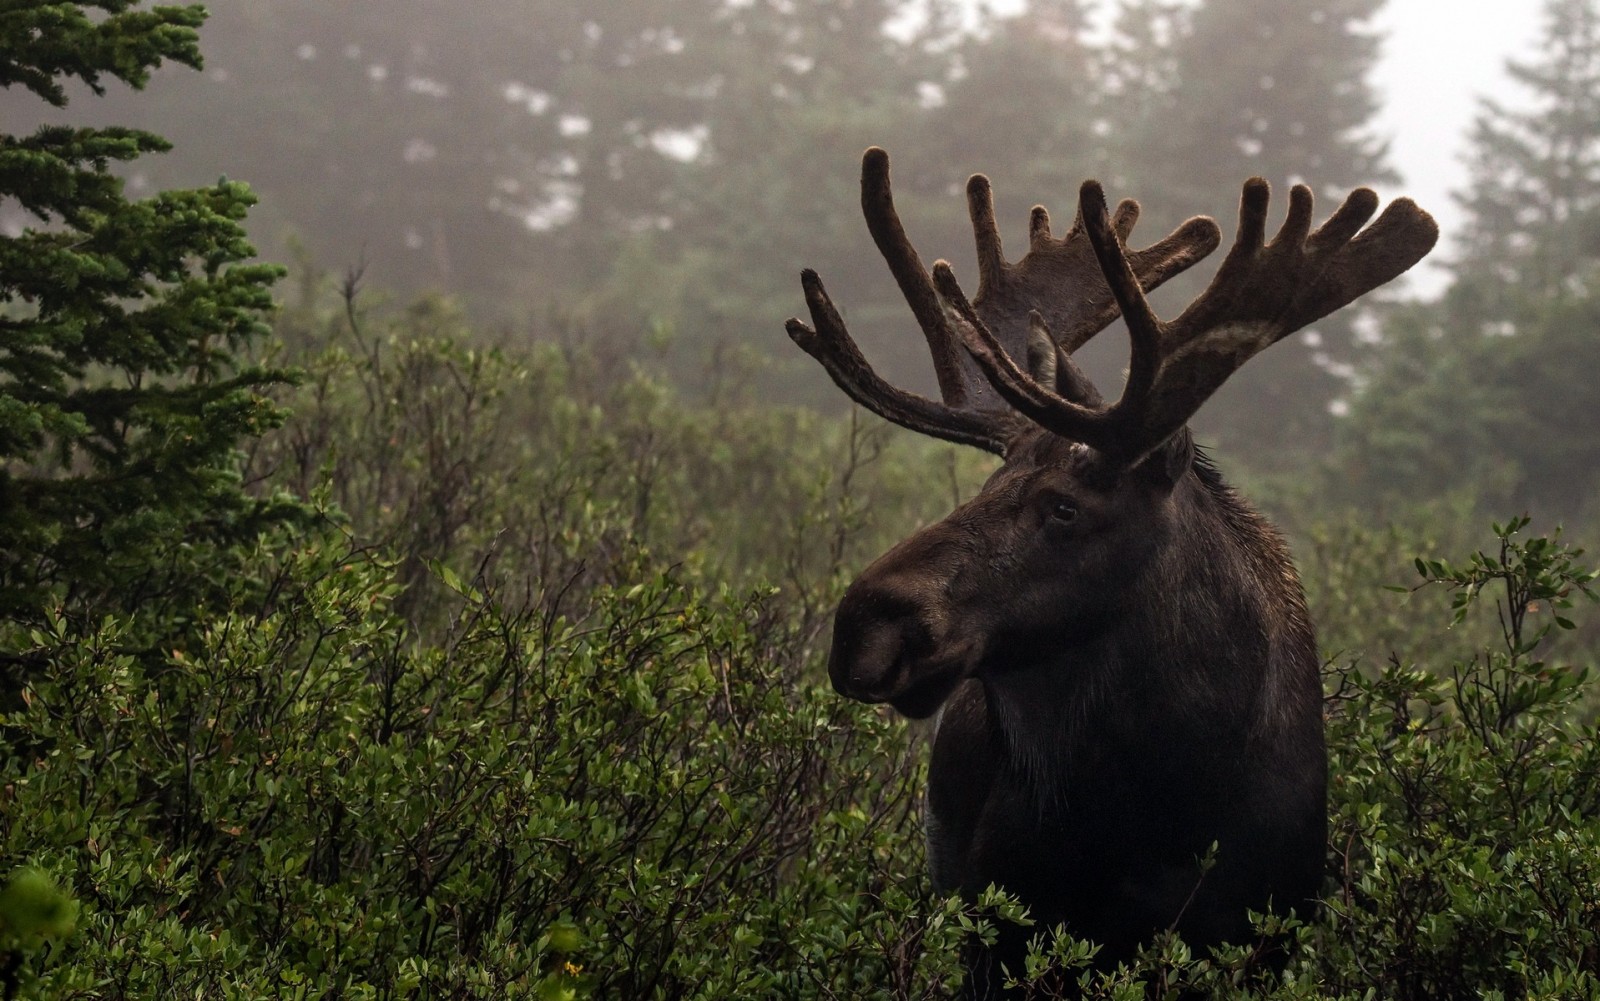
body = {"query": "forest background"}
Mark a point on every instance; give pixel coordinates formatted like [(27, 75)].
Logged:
[(653, 176), (453, 626)]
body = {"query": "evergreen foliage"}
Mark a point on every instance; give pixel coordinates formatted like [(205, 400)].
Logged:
[(123, 391), (1492, 387), (45, 42), (1532, 235), (1201, 97)]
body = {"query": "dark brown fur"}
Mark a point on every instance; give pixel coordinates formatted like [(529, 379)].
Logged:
[(1115, 645), (1114, 696)]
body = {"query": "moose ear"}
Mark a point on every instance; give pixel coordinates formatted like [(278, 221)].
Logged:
[(1167, 464), (1051, 366), (1042, 352)]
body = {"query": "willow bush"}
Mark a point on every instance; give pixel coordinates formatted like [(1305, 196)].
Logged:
[(538, 711)]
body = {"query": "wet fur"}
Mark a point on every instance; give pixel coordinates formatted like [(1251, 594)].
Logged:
[(1089, 766)]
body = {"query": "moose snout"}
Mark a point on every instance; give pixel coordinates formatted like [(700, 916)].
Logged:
[(878, 636)]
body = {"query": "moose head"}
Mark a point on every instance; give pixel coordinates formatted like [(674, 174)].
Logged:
[(1116, 646)]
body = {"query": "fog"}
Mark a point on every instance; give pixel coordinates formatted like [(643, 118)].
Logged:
[(1438, 61), (639, 173)]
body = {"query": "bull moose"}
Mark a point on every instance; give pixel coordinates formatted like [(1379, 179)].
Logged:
[(1114, 645)]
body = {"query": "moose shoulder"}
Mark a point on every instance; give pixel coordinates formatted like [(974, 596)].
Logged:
[(1114, 643)]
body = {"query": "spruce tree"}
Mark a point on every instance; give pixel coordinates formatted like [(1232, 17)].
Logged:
[(1493, 394), (1532, 233), (1247, 87), (1203, 97), (1525, 298), (124, 326)]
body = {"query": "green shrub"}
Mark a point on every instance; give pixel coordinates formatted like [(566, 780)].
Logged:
[(638, 788), (523, 720), (1468, 800), (642, 800), (551, 463)]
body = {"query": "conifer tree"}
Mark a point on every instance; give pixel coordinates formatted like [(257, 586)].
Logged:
[(1231, 88), (1203, 97), (1533, 198), (124, 395), (1492, 390)]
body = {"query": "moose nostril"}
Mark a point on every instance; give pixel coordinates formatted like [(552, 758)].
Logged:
[(876, 656), (862, 652), (877, 637)]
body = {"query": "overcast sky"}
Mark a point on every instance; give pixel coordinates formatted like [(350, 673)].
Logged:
[(1439, 58)]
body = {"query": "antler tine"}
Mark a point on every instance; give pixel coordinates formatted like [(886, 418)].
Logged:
[(1100, 427), (1265, 291), (1144, 330), (1058, 277), (1178, 251), (883, 222), (1015, 386), (1402, 235), (1277, 288), (986, 232), (830, 344), (1039, 228)]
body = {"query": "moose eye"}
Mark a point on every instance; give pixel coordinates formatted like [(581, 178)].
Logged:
[(1063, 512)]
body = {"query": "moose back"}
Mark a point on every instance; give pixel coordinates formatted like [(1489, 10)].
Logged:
[(1115, 646)]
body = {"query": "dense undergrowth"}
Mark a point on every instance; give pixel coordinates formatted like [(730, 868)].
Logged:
[(534, 708)]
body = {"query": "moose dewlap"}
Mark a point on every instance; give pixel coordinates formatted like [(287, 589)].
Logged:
[(1115, 643)]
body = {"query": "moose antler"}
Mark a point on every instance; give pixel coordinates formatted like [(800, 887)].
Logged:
[(1262, 293), (1058, 285)]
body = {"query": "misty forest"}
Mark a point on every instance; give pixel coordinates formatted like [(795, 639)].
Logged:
[(420, 540)]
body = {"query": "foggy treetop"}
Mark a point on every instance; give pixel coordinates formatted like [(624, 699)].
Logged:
[(598, 170)]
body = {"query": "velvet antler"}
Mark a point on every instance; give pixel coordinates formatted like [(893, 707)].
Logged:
[(1058, 285), (1262, 293)]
